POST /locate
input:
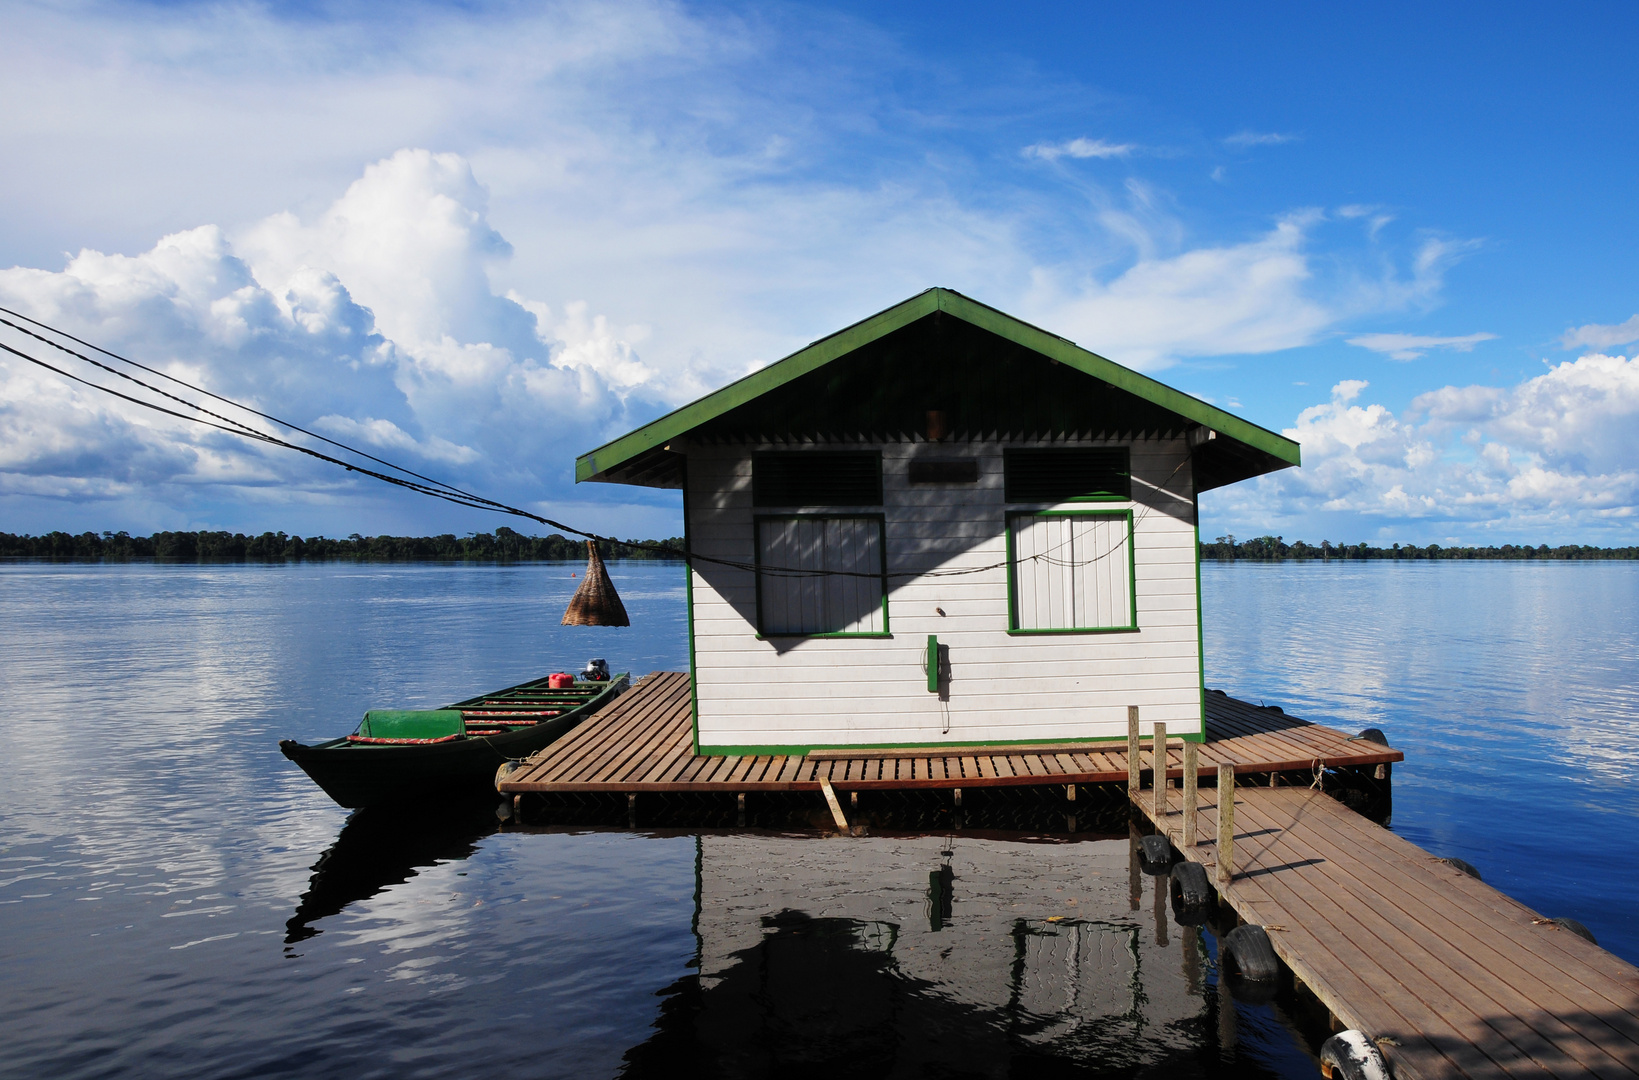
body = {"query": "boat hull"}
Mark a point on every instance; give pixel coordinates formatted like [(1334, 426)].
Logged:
[(363, 775)]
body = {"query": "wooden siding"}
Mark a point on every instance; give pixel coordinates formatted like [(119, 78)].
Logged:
[(815, 692)]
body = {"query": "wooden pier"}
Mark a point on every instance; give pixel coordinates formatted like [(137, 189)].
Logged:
[(1449, 976), (1452, 977), (644, 742)]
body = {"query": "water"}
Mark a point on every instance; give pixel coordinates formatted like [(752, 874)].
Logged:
[(161, 914)]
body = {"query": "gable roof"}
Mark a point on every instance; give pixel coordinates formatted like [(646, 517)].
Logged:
[(1228, 447)]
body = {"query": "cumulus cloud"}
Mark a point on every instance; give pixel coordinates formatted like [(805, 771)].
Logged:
[(1558, 454), (1411, 346), (1079, 148), (1599, 336), (373, 323), (1241, 140)]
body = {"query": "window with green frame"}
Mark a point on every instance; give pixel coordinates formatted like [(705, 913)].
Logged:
[(821, 574), (1071, 571)]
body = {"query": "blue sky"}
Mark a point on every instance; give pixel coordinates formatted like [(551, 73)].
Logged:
[(484, 238)]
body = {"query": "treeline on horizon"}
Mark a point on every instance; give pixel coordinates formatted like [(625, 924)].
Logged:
[(503, 545), (1276, 549), (508, 545)]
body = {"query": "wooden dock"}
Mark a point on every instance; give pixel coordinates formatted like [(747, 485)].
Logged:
[(1453, 977), (643, 742)]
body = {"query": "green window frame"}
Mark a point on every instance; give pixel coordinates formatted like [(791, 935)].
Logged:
[(1075, 578), (830, 600)]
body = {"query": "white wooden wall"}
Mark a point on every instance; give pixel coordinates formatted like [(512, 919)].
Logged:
[(813, 692)]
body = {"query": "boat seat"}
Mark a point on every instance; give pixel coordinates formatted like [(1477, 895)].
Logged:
[(411, 724)]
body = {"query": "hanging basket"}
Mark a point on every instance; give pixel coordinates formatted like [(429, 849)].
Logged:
[(595, 603)]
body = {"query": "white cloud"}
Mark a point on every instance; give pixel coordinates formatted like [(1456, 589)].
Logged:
[(1411, 346), (1556, 456), (622, 206), (1244, 298), (1600, 336), (1079, 148), (374, 324), (1244, 139), (388, 436)]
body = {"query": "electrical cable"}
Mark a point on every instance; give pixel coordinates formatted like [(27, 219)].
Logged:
[(426, 485)]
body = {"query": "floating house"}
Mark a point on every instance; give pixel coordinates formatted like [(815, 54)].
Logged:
[(941, 526)]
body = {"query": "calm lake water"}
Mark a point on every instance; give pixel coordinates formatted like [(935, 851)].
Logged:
[(178, 900)]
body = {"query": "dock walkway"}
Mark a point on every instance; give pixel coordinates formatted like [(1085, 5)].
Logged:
[(1464, 980), (644, 742)]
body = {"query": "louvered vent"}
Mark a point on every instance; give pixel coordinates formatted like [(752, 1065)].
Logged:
[(817, 478), (1063, 475)]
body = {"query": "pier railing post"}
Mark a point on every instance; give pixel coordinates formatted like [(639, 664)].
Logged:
[(1132, 751), (1158, 769), (1226, 823), (1191, 764)]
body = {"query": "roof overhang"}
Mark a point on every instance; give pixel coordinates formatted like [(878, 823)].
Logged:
[(1228, 448)]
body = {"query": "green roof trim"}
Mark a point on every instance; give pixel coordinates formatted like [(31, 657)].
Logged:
[(822, 352)]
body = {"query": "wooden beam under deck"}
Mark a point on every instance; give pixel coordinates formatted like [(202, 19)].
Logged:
[(644, 742)]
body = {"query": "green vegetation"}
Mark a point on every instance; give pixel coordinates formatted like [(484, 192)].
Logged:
[(1275, 549), (503, 545)]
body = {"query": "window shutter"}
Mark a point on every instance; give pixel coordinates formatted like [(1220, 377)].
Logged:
[(1067, 474), (817, 478)]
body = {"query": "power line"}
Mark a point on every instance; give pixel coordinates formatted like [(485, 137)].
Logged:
[(419, 483)]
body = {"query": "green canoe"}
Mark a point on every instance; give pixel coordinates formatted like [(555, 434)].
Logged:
[(401, 753)]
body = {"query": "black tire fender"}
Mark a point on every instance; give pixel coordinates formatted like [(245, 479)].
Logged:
[(1248, 949), (1463, 866), (1155, 852), (1190, 887), (1576, 928)]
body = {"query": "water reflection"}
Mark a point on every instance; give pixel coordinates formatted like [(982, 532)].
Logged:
[(384, 846), (944, 956)]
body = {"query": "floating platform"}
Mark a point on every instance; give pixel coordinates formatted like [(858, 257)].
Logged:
[(644, 742), (1450, 976)]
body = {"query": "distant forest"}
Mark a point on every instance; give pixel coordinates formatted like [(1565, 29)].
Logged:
[(506, 545), (1275, 549), (503, 545)]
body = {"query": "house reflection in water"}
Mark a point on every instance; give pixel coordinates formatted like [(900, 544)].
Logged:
[(946, 956)]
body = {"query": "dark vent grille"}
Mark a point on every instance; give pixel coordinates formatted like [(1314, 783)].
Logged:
[(817, 478), (1049, 476), (957, 471)]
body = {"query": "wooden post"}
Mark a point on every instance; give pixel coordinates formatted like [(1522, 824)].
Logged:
[(1132, 751), (831, 800), (740, 806), (1226, 823), (631, 810), (1191, 764), (1069, 793), (1158, 769), (958, 793)]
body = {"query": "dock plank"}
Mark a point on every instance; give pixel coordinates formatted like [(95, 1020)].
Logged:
[(1400, 945), (644, 741)]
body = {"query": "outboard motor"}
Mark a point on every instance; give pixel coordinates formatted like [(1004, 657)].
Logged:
[(597, 670)]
